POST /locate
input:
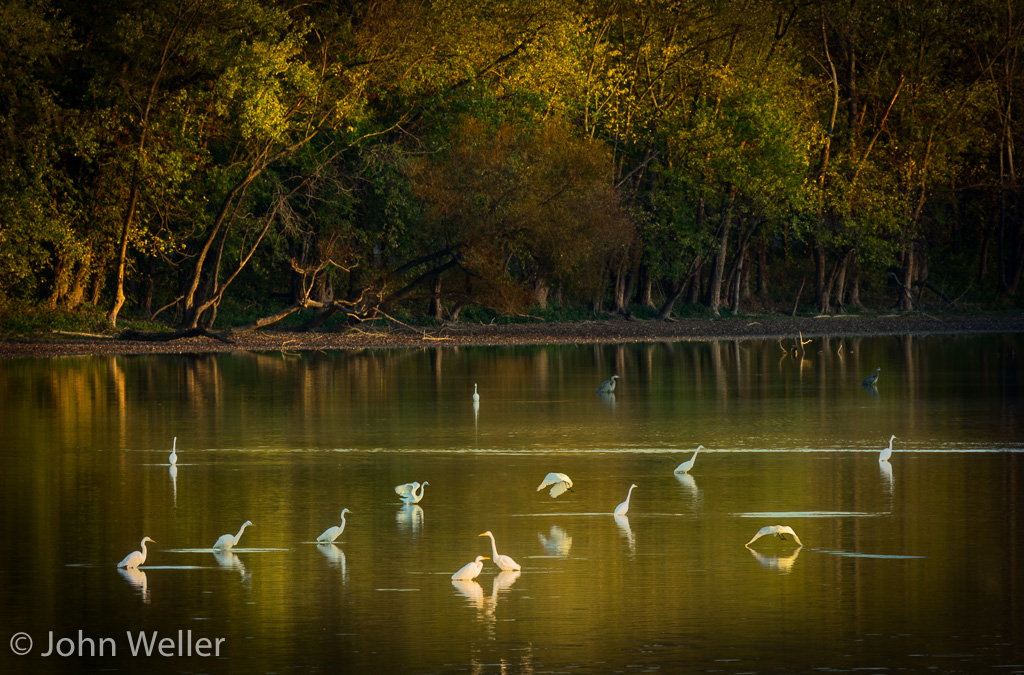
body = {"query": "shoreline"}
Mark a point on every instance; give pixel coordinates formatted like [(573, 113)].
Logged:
[(610, 331)]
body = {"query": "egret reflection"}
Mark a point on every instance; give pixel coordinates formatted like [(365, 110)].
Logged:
[(472, 591), (622, 522), (410, 518), (174, 482), (689, 484), (779, 563), (137, 578), (229, 560), (556, 542), (885, 472), (336, 557)]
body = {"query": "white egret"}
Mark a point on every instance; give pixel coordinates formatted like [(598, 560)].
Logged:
[(470, 570), (476, 396), (408, 492), (559, 481), (778, 530), (173, 459), (136, 558), (688, 464), (870, 380), (502, 561), (332, 533), (226, 541), (622, 508), (885, 454), (608, 386)]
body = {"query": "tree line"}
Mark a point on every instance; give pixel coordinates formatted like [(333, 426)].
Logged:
[(356, 159)]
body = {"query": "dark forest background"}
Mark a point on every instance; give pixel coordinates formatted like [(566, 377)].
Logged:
[(235, 163)]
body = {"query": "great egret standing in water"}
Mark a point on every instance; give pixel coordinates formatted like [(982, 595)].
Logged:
[(408, 492), (870, 380), (173, 459), (560, 482), (778, 530), (885, 454), (332, 533), (622, 508), (226, 541), (136, 558), (688, 464), (504, 562), (608, 386), (476, 396), (470, 570)]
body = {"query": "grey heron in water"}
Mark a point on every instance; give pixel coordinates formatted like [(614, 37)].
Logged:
[(608, 386), (870, 380)]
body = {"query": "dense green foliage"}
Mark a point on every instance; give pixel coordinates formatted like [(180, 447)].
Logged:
[(267, 159)]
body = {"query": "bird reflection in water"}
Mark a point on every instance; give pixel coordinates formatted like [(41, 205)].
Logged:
[(558, 542), (782, 564), (410, 518), (336, 557), (689, 485), (885, 473), (486, 607), (229, 560), (608, 398), (174, 483), (871, 390), (137, 578), (623, 524)]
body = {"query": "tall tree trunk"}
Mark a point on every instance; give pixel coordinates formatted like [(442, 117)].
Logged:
[(713, 300)]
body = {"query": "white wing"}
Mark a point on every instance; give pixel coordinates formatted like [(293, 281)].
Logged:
[(405, 491), (549, 479)]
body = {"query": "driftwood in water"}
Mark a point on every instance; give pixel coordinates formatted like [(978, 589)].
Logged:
[(146, 336)]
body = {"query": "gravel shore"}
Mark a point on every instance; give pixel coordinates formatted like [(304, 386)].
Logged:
[(466, 334)]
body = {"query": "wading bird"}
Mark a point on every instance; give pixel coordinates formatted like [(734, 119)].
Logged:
[(608, 386), (136, 558), (226, 541), (559, 481), (173, 459), (622, 508), (870, 380), (779, 530), (885, 454), (470, 570), (688, 464), (408, 492), (504, 562), (332, 533), (476, 396)]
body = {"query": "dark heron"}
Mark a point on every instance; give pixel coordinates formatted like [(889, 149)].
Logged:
[(870, 380)]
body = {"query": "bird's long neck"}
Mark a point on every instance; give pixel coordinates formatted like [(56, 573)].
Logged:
[(890, 444), (419, 495), (629, 494), (240, 531), (494, 547), (143, 552), (343, 520)]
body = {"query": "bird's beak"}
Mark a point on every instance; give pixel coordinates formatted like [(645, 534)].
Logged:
[(482, 534), (487, 557)]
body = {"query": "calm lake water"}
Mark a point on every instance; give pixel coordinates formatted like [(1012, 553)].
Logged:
[(915, 565)]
